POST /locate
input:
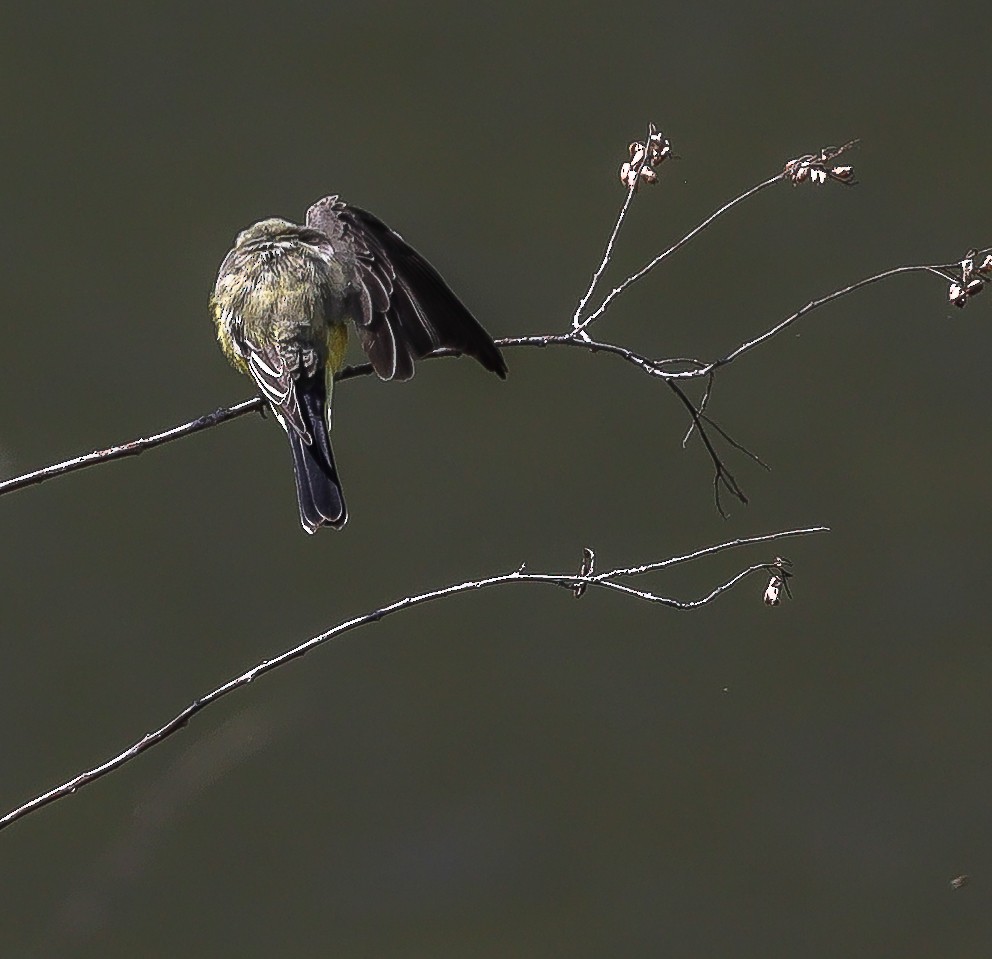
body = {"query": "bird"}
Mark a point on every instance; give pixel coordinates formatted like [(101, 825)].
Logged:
[(284, 296)]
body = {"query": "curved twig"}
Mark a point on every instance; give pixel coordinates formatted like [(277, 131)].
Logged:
[(569, 581)]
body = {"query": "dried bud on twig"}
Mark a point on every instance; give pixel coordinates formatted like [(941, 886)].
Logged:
[(773, 591), (644, 157), (778, 582), (816, 166), (970, 283), (628, 176)]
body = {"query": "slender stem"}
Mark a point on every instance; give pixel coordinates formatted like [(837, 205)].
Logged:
[(567, 580), (131, 448), (607, 256)]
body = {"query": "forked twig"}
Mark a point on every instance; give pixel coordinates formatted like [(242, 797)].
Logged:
[(571, 581), (966, 279)]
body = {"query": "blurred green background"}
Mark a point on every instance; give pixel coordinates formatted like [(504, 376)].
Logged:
[(509, 773)]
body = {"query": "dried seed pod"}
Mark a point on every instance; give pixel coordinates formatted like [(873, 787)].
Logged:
[(660, 147), (773, 591)]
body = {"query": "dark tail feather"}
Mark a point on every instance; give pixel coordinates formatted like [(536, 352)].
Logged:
[(318, 488)]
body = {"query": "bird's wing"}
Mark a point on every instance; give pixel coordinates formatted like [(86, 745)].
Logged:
[(405, 309), (276, 378)]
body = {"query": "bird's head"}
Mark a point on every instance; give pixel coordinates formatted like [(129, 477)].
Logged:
[(268, 231)]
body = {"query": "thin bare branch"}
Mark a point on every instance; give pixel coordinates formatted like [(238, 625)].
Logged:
[(570, 581), (740, 447), (710, 551), (133, 447), (703, 403), (722, 477), (655, 367), (971, 276), (607, 256), (822, 301)]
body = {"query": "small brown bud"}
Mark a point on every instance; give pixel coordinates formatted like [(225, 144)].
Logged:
[(974, 286)]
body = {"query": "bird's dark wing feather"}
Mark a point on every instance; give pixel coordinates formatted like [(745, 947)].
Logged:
[(406, 310), (277, 381), (300, 402)]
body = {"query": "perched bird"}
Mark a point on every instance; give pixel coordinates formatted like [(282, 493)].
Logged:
[(282, 299)]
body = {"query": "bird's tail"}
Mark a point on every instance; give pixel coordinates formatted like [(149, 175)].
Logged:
[(318, 488)]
